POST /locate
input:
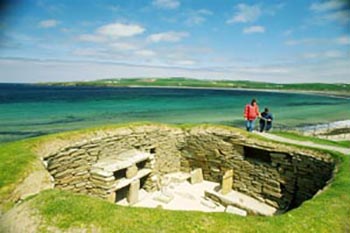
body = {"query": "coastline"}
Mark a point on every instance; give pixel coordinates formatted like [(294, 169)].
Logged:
[(328, 94), (336, 131)]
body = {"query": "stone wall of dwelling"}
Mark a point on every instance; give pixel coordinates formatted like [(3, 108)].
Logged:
[(275, 174), (268, 172), (71, 165)]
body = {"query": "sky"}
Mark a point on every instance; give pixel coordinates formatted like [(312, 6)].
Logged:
[(272, 41)]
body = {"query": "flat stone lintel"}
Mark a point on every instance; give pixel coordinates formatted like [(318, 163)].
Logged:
[(121, 161)]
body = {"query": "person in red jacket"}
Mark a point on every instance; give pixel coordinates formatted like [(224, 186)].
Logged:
[(251, 112)]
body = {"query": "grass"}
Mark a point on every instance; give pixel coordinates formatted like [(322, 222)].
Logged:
[(17, 160), (327, 212), (299, 137)]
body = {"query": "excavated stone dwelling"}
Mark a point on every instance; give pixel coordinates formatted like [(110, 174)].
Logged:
[(108, 164)]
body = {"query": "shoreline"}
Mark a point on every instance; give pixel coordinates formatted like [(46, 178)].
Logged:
[(328, 94), (333, 94), (325, 127)]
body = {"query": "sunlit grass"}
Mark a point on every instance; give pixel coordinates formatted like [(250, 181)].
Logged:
[(327, 212)]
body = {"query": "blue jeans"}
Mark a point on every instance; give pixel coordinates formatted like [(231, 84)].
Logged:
[(249, 124)]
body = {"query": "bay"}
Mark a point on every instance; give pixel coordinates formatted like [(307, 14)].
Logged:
[(32, 110)]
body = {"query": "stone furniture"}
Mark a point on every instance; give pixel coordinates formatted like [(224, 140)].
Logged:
[(109, 163)]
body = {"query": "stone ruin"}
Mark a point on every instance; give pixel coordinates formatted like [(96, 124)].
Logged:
[(119, 163)]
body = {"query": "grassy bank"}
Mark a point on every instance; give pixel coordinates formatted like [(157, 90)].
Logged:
[(16, 162), (330, 88), (327, 212)]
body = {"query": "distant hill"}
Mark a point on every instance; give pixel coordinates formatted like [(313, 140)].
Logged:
[(335, 88)]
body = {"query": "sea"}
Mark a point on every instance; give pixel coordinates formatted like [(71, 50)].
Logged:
[(28, 110)]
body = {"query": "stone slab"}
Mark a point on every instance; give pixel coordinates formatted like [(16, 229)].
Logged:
[(178, 177), (197, 176), (122, 160), (234, 210), (242, 201), (227, 181), (161, 197)]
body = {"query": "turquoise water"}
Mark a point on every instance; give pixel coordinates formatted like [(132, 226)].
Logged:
[(28, 110)]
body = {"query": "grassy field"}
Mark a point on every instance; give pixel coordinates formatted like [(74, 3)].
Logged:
[(327, 212), (342, 89)]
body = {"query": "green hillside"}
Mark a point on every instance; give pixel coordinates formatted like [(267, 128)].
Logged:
[(340, 88)]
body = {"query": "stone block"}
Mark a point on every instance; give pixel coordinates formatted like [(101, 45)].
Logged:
[(227, 182), (208, 203), (133, 193), (131, 171), (234, 210), (111, 197), (196, 176), (163, 198)]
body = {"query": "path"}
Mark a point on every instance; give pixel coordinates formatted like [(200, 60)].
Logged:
[(305, 143)]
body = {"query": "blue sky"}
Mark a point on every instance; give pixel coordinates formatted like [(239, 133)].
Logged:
[(277, 41)]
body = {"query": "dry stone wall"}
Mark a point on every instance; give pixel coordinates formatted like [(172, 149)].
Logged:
[(277, 175), (280, 176), (71, 165)]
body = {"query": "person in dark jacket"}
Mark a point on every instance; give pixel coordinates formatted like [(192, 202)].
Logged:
[(266, 120)]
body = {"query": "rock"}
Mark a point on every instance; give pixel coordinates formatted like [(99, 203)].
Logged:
[(111, 197), (234, 210), (133, 193), (131, 171), (178, 177), (161, 197), (208, 204), (196, 176), (227, 182)]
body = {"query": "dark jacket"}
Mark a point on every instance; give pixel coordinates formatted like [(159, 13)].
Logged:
[(266, 116)]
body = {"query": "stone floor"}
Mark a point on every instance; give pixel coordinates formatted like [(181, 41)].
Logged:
[(183, 195)]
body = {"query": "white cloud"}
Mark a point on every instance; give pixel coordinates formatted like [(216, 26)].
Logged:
[(166, 4), (122, 46), (170, 36), (327, 5), (185, 62), (87, 52), (112, 32), (91, 38), (113, 7), (116, 30), (245, 14), (333, 54), (306, 41), (324, 55), (254, 29), (198, 17), (145, 53), (341, 16), (50, 23), (343, 40), (330, 11), (288, 32), (21, 70), (195, 20)]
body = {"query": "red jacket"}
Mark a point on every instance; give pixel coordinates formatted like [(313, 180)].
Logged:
[(251, 112)]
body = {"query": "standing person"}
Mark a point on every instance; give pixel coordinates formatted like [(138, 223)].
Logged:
[(266, 120), (251, 112)]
